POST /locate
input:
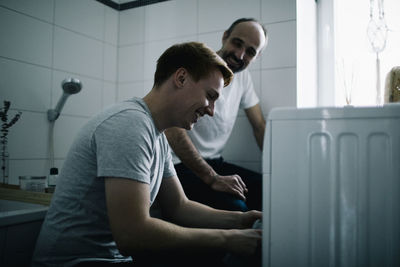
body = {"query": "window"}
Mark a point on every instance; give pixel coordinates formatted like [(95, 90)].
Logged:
[(346, 65)]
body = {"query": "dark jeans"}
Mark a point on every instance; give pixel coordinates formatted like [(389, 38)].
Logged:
[(195, 189)]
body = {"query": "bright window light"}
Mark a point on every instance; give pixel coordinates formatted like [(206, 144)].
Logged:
[(355, 60), (336, 64)]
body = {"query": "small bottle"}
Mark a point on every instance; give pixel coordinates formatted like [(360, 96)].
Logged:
[(52, 182)]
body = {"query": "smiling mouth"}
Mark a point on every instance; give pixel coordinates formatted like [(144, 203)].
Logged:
[(198, 115), (235, 63)]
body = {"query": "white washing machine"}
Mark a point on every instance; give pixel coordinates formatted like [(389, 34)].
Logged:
[(331, 187)]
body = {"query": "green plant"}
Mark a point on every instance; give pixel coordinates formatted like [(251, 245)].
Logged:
[(5, 126)]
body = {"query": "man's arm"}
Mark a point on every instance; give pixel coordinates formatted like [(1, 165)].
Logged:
[(136, 233), (188, 154), (257, 121), (179, 209)]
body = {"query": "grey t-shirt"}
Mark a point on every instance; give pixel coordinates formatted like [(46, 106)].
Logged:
[(120, 142)]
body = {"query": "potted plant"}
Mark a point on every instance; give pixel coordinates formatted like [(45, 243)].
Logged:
[(5, 126)]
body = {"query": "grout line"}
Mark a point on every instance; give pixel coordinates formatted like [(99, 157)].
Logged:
[(279, 21), (25, 62), (279, 68), (25, 14), (52, 56), (45, 112), (197, 20), (54, 24), (158, 40), (117, 59), (103, 53), (57, 69), (45, 159)]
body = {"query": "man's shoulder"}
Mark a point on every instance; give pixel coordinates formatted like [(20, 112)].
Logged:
[(130, 110), (243, 74), (242, 78), (241, 82), (128, 117)]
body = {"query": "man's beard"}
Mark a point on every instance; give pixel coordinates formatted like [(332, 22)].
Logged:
[(239, 64)]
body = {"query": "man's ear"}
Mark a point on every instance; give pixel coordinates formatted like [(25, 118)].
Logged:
[(180, 77), (225, 37), (263, 48)]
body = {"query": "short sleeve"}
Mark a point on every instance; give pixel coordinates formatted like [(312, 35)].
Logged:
[(249, 97), (169, 169), (124, 146)]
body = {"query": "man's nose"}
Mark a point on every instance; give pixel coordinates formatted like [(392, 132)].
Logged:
[(209, 110), (240, 53)]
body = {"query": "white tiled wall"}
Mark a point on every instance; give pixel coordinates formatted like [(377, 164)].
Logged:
[(146, 32), (42, 42), (114, 55)]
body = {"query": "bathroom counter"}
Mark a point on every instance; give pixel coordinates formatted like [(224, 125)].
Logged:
[(21, 217), (12, 192), (18, 206), (16, 212), (20, 224)]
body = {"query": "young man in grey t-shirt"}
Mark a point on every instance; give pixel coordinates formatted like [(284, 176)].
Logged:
[(120, 161)]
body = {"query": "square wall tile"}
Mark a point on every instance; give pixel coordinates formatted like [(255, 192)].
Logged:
[(59, 163), (76, 53), (128, 90), (27, 167), (41, 9), (279, 89), (219, 15), (110, 62), (147, 86), (109, 94), (256, 78), (170, 19), (28, 138), (281, 48), (277, 10), (65, 131), (83, 16), (111, 22), (154, 50), (25, 38), (212, 39), (255, 64), (241, 145), (131, 26), (85, 103), (27, 86), (130, 63)]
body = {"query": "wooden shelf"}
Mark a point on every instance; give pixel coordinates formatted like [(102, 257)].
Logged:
[(12, 192)]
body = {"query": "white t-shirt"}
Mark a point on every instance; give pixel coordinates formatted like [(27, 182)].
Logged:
[(210, 134)]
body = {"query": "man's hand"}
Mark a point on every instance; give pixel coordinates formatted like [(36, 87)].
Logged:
[(231, 184), (249, 217), (244, 242)]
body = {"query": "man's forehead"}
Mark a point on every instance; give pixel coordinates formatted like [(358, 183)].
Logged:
[(250, 32), (245, 26)]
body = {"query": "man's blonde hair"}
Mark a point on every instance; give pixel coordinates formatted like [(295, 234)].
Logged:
[(198, 59)]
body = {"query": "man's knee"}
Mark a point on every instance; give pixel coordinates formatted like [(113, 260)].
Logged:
[(230, 202)]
